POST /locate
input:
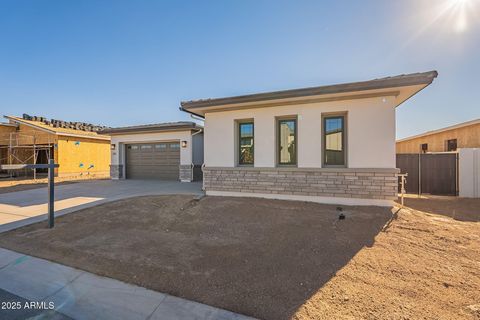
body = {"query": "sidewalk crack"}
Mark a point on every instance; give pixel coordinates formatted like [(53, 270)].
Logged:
[(66, 284), (161, 301)]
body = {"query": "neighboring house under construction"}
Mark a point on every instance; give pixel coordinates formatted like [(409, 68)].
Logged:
[(76, 147)]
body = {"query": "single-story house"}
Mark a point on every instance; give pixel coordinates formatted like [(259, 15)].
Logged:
[(77, 147), (330, 144), (164, 151), (448, 139)]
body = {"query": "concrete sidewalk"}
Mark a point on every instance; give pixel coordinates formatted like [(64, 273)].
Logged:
[(22, 208), (81, 295)]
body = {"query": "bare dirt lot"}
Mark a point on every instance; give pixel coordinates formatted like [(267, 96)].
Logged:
[(20, 184), (275, 259), (463, 209)]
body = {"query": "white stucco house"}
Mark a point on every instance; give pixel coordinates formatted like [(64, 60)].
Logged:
[(164, 151), (329, 144)]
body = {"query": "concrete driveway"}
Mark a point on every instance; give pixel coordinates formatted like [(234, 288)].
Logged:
[(30, 206)]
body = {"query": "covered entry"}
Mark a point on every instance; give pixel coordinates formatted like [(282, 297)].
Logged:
[(153, 160)]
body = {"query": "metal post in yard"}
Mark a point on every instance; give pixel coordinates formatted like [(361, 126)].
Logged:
[(419, 174), (34, 160), (51, 182), (403, 181), (51, 192)]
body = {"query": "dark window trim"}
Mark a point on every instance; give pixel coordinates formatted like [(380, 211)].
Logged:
[(421, 147), (447, 145), (238, 147), (344, 139), (277, 142)]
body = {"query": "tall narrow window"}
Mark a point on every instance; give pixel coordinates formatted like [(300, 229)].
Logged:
[(245, 143), (287, 141), (334, 141)]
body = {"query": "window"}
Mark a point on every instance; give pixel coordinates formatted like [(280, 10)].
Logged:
[(452, 145), (161, 146), (146, 146), (175, 146), (287, 144), (424, 147), (334, 141), (245, 143)]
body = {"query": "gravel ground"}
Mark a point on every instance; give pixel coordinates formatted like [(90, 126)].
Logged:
[(274, 259)]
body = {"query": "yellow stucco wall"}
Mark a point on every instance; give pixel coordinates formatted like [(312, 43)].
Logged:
[(83, 157), (467, 137)]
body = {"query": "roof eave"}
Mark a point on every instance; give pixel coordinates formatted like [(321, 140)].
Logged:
[(425, 78), (120, 131)]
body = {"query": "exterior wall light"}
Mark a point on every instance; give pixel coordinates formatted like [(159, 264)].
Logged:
[(112, 146), (184, 144)]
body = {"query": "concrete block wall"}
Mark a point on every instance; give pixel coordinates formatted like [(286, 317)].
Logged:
[(379, 184)]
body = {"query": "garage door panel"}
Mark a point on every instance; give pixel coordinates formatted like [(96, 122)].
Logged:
[(153, 161)]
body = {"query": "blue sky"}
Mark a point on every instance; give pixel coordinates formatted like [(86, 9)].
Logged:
[(131, 62)]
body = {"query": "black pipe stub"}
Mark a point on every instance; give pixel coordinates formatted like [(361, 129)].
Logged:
[(341, 216)]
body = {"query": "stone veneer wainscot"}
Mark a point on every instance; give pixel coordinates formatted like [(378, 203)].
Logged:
[(380, 184)]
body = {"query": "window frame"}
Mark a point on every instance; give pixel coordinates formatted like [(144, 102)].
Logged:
[(238, 144), (447, 145), (278, 120), (326, 116), (421, 148)]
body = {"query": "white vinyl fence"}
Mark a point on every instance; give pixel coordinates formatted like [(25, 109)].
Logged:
[(469, 173)]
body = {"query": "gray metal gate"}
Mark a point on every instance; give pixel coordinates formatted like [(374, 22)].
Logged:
[(430, 173)]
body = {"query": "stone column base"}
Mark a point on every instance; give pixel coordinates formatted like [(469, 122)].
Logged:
[(116, 171), (185, 173)]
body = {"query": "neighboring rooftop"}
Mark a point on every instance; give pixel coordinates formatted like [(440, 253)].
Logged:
[(415, 79), (60, 127), (167, 126), (453, 127), (7, 124)]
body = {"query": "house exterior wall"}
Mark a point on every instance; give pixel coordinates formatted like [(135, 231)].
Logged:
[(120, 140), (370, 130), (5, 132), (370, 133), (78, 157), (83, 157), (25, 135), (467, 137)]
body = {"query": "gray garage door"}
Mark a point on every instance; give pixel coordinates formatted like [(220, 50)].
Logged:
[(153, 161)]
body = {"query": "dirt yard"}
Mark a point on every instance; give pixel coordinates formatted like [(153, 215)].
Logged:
[(21, 184), (463, 209), (275, 259)]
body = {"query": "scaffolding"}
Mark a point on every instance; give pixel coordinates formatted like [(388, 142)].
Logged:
[(21, 148)]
